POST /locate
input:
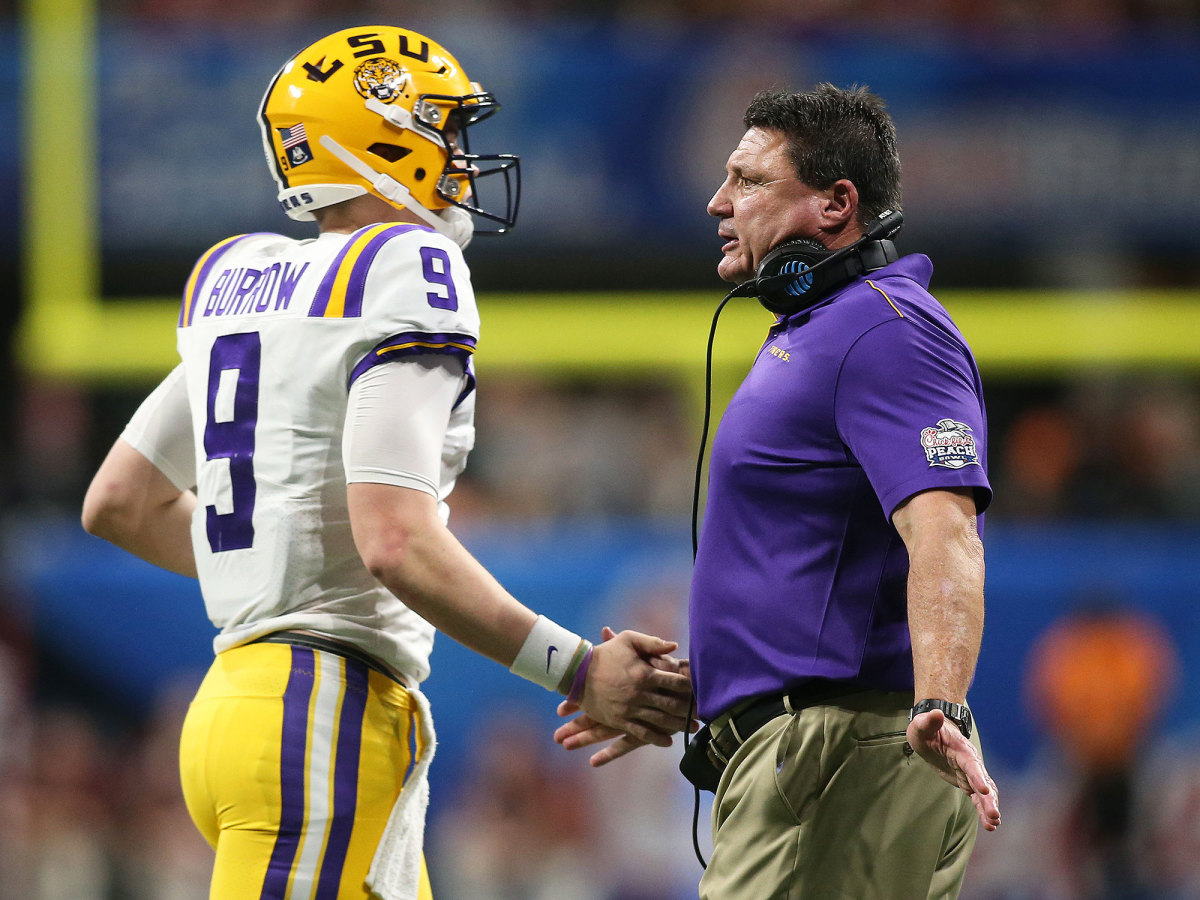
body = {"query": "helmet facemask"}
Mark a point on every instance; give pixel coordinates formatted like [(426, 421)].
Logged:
[(459, 182)]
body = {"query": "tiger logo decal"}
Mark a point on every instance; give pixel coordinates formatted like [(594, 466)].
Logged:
[(381, 78)]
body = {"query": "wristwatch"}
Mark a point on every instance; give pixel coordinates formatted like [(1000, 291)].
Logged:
[(955, 712)]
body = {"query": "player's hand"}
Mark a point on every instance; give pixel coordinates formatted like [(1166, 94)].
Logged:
[(584, 731), (938, 741), (629, 693)]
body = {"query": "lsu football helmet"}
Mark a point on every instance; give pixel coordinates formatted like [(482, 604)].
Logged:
[(384, 110)]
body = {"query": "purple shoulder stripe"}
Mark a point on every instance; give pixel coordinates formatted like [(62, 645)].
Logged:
[(340, 294), (362, 265), (325, 289), (200, 271)]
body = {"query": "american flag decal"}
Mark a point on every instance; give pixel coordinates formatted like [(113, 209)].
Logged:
[(293, 136)]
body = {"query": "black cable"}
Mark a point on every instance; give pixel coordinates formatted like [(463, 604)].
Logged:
[(712, 334), (695, 796)]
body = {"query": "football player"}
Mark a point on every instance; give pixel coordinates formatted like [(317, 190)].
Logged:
[(298, 461)]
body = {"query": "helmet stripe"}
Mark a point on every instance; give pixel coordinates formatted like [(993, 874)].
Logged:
[(265, 125)]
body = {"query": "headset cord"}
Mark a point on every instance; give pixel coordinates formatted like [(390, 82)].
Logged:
[(695, 800), (712, 334)]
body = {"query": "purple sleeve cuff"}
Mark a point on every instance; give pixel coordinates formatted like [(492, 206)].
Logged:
[(415, 343)]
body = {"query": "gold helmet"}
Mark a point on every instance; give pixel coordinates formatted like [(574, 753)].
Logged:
[(382, 110)]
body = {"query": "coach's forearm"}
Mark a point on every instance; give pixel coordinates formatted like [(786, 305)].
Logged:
[(945, 592), (945, 618)]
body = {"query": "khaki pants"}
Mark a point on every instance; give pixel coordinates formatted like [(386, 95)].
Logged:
[(823, 804)]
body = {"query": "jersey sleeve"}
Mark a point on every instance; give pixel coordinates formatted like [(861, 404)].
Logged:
[(908, 406), (396, 424), (411, 290), (161, 430)]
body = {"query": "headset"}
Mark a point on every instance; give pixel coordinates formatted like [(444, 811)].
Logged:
[(797, 274)]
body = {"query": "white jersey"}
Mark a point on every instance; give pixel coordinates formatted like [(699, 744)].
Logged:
[(273, 332)]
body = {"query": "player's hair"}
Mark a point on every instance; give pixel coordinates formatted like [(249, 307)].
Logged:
[(836, 133)]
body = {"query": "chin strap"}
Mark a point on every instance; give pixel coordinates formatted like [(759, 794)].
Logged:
[(402, 118), (454, 223)]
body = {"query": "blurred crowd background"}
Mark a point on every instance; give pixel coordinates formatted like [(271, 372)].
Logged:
[(1051, 150)]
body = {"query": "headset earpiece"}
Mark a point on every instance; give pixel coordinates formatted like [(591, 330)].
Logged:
[(799, 273), (790, 277)]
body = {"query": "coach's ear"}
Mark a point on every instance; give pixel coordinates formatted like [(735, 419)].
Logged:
[(839, 209)]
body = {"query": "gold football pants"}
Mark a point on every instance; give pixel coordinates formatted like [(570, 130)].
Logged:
[(291, 759)]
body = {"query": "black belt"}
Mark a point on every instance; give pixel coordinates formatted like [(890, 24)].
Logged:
[(709, 754), (316, 642)]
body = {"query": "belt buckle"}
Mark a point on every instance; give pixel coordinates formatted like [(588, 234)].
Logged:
[(726, 742), (718, 760)]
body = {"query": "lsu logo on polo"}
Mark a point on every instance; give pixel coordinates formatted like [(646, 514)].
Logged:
[(949, 444)]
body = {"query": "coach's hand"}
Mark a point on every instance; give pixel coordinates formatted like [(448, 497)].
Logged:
[(583, 731), (659, 708), (938, 741)]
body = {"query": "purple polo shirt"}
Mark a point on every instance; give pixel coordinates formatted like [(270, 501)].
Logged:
[(849, 409)]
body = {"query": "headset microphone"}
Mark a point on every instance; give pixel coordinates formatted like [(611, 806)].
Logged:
[(884, 226), (797, 274)]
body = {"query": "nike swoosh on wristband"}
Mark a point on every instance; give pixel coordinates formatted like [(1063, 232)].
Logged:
[(549, 654)]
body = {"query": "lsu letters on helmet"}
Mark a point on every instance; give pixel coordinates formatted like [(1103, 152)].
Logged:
[(383, 110)]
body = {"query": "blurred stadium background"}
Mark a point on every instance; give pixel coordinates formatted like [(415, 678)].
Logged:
[(1052, 172)]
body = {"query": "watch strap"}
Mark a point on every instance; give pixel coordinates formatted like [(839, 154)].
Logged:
[(958, 713)]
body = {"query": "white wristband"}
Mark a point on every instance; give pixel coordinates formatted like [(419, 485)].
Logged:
[(546, 654)]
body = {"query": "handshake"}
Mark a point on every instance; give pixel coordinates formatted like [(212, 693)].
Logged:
[(635, 693)]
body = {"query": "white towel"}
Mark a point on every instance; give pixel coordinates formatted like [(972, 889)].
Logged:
[(396, 869)]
